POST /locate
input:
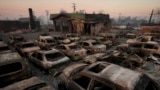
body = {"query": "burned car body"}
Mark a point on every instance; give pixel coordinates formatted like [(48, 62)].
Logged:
[(32, 83), (93, 46), (140, 39), (104, 41), (150, 47), (72, 50), (12, 68), (4, 48), (104, 76), (15, 39), (73, 37), (61, 39), (47, 59), (46, 41), (25, 48), (93, 57)]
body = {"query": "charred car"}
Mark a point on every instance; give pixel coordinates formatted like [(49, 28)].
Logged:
[(93, 57), (61, 39), (74, 51), (104, 41), (46, 41), (93, 46), (47, 59), (150, 47), (12, 68), (104, 76), (73, 37), (15, 39), (140, 39), (25, 48), (32, 83), (4, 48)]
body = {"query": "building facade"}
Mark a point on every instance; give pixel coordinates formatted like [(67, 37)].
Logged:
[(81, 23)]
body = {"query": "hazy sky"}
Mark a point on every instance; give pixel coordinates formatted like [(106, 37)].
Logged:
[(19, 8)]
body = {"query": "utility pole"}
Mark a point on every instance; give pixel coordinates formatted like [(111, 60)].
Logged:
[(150, 17), (47, 13), (74, 7)]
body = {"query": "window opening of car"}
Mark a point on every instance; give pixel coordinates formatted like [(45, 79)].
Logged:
[(98, 68), (85, 44), (4, 48), (136, 45), (39, 56), (28, 45), (101, 86), (9, 68), (53, 56), (94, 43), (83, 81), (149, 46), (50, 40), (151, 86), (74, 47)]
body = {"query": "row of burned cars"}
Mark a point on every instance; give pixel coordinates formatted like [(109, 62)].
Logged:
[(80, 64), (15, 73)]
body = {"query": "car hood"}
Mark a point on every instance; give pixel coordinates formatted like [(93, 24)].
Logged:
[(30, 49), (99, 46), (52, 63)]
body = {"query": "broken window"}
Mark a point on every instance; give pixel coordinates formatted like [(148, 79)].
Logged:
[(28, 45), (83, 81), (53, 56), (85, 44), (101, 86), (137, 45), (9, 68), (75, 47), (98, 68), (62, 47), (39, 56), (151, 86), (94, 43), (148, 46), (4, 48), (50, 41)]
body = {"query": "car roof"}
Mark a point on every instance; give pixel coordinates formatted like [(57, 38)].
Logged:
[(48, 51), (148, 42), (68, 70), (90, 40), (10, 57), (25, 42), (119, 75), (69, 44)]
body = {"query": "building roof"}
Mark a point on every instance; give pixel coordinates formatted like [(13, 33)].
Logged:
[(69, 15), (86, 17)]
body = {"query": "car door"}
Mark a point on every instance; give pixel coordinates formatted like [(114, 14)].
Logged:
[(37, 58), (99, 85), (62, 49), (79, 82)]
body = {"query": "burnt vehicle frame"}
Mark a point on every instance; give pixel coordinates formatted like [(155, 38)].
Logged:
[(12, 68), (99, 76)]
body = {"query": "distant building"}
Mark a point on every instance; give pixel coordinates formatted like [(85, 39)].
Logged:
[(81, 23), (150, 28), (13, 25)]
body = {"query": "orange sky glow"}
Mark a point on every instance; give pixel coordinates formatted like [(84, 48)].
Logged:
[(14, 9)]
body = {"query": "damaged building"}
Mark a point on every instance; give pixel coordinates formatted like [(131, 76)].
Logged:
[(81, 23)]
